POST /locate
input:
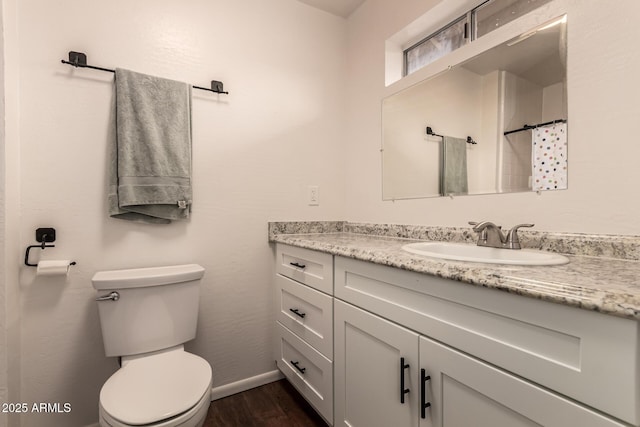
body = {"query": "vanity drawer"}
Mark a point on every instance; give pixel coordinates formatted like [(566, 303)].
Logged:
[(309, 371), (307, 313), (588, 356), (306, 266)]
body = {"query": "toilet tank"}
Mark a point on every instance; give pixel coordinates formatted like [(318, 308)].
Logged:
[(156, 307)]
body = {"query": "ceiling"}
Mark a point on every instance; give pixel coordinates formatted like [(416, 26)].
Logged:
[(337, 7)]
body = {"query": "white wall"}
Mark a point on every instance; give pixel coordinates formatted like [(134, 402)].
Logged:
[(522, 104), (603, 105), (4, 389), (10, 250), (412, 159), (553, 102), (483, 175), (280, 129)]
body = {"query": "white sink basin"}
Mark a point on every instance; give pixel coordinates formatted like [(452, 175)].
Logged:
[(473, 253)]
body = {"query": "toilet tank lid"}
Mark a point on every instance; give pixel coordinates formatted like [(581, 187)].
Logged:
[(149, 276)]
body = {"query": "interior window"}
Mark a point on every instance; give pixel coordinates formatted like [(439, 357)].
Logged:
[(477, 22), (437, 45), (495, 13)]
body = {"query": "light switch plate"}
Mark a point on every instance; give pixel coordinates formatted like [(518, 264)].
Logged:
[(313, 195)]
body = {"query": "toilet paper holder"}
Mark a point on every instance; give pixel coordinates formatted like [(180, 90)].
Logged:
[(44, 236)]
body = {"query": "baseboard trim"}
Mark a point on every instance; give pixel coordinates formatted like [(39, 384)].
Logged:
[(245, 384)]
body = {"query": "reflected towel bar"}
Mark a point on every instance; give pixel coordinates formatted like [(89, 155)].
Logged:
[(432, 133), (79, 60), (529, 127)]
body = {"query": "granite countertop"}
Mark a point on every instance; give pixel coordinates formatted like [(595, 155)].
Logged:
[(605, 284)]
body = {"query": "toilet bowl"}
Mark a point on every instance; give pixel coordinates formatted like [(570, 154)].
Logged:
[(146, 315), (168, 388)]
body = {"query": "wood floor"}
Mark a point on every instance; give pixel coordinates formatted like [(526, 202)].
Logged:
[(273, 405)]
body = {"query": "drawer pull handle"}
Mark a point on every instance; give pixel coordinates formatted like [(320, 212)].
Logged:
[(423, 393), (295, 365), (297, 313), (295, 264), (403, 390)]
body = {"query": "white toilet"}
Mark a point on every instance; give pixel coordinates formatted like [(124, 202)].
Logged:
[(146, 315)]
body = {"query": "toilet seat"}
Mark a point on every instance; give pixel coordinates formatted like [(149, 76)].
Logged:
[(150, 389), (194, 417)]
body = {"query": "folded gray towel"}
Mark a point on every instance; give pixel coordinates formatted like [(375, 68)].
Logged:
[(453, 175), (150, 170)]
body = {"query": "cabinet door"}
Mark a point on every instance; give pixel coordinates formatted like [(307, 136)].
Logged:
[(463, 391), (376, 370)]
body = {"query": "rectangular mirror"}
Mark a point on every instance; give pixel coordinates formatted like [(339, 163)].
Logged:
[(509, 102)]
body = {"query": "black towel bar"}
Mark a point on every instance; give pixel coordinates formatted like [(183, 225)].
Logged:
[(79, 60), (529, 127), (430, 132)]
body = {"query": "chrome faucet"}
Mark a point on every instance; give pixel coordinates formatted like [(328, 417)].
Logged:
[(491, 235)]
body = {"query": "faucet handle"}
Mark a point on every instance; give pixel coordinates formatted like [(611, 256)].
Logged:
[(515, 227), (512, 236), (484, 224)]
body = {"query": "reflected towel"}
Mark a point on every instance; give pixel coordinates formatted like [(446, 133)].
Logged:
[(453, 179), (150, 170), (549, 157)]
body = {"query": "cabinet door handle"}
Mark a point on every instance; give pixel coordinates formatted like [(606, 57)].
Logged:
[(295, 264), (423, 393), (295, 365), (403, 390), (297, 312)]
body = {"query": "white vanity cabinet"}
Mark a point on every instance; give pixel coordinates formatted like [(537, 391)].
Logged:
[(370, 345), (304, 324), (492, 358), (387, 375)]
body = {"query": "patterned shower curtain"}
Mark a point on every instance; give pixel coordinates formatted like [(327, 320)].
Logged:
[(549, 157)]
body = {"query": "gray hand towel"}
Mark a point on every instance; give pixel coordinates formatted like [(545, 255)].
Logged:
[(453, 178), (150, 170)]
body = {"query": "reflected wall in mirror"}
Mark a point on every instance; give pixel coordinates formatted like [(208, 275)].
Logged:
[(514, 88)]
